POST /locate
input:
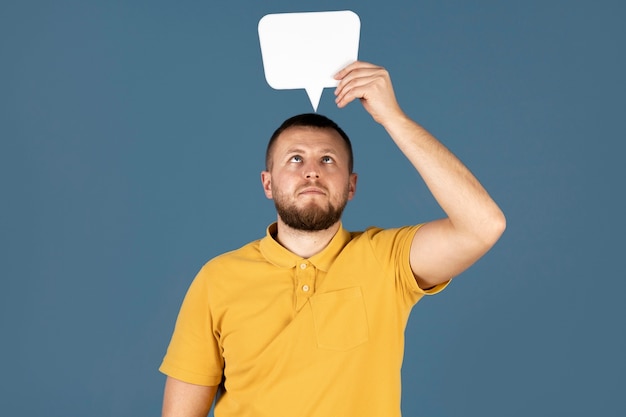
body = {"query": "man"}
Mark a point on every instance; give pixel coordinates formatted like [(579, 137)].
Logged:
[(309, 320)]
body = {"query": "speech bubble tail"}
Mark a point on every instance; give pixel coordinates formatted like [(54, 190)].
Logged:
[(314, 93)]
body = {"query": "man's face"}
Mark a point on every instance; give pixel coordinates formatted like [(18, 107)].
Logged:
[(309, 178)]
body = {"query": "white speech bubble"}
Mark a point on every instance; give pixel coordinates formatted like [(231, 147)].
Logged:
[(305, 50)]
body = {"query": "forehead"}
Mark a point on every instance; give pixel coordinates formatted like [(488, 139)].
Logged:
[(310, 138)]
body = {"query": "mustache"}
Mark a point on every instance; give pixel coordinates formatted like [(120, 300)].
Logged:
[(312, 186)]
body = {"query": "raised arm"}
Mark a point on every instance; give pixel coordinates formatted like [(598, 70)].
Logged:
[(182, 399), (443, 248)]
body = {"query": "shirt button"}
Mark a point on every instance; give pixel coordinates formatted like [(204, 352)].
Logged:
[(302, 266), (305, 288)]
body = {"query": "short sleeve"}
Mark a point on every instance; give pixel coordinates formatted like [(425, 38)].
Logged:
[(392, 247), (194, 354)]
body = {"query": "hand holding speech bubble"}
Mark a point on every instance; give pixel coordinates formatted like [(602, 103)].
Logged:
[(305, 50)]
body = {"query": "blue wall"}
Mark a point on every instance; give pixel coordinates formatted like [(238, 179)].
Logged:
[(131, 141)]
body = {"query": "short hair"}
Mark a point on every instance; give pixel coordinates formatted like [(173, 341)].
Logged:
[(312, 120)]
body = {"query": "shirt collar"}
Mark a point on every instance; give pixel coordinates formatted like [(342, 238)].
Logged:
[(275, 253)]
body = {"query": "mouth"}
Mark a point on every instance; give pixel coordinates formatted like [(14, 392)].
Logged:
[(312, 191)]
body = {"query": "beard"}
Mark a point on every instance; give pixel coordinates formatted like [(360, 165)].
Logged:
[(312, 217)]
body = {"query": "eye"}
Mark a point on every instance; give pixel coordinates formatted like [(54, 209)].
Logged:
[(295, 158), (327, 160)]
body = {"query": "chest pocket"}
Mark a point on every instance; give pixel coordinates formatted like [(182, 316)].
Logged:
[(340, 319)]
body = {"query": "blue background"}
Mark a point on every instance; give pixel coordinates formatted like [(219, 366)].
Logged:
[(131, 141)]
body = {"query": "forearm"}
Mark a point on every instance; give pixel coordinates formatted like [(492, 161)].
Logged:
[(182, 399), (467, 204)]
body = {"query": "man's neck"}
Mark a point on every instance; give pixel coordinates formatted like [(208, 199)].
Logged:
[(304, 243)]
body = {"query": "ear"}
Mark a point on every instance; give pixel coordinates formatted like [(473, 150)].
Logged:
[(266, 180), (352, 185)]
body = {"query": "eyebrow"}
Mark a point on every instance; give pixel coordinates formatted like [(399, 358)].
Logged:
[(299, 150)]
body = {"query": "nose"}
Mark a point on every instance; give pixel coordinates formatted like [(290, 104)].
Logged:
[(311, 171)]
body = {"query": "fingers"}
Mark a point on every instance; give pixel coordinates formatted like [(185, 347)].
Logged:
[(372, 85), (361, 80), (354, 65), (357, 88)]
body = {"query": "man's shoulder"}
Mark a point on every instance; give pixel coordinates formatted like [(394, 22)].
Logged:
[(249, 251), (228, 264), (375, 239), (376, 232)]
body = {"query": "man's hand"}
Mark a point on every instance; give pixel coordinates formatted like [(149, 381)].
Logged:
[(372, 85)]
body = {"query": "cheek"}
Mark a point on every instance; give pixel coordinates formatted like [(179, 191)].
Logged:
[(278, 188)]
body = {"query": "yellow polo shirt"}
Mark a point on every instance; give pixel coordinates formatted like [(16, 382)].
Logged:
[(296, 337)]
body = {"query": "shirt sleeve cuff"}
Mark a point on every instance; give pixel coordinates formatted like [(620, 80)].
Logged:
[(433, 290), (190, 377)]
